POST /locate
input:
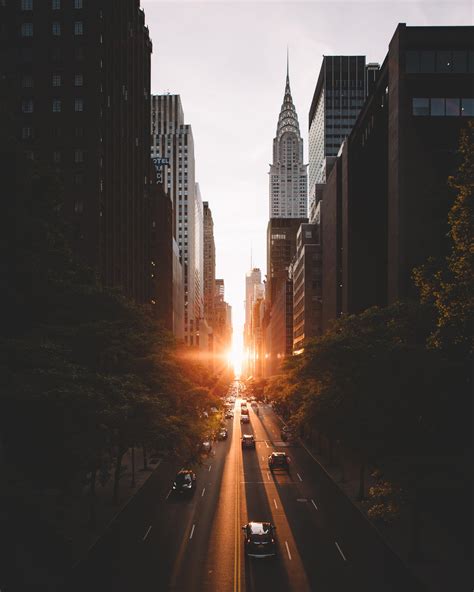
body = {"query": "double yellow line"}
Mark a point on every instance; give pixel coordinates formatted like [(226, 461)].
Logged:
[(238, 526)]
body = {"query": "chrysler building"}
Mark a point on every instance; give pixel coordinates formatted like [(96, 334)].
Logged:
[(288, 175)]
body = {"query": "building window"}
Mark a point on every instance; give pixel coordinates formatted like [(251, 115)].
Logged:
[(27, 106), (437, 107), (56, 79), (78, 206), (56, 29), (78, 155), (79, 179), (452, 107), (78, 28), (421, 107), (77, 4), (55, 4), (26, 133), (78, 80), (467, 108), (78, 104), (27, 81), (27, 30), (56, 106), (56, 156), (27, 4)]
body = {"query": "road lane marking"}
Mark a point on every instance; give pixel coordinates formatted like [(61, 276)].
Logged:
[(146, 534), (268, 475), (340, 551), (169, 493), (275, 502), (263, 458), (302, 499), (299, 477), (314, 504), (192, 532), (203, 491), (267, 444), (210, 467), (288, 550)]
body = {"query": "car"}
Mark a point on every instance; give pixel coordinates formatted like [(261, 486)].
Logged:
[(248, 441), (259, 539), (286, 433), (184, 483), (244, 418), (279, 460), (229, 415), (222, 434), (206, 445), (243, 402)]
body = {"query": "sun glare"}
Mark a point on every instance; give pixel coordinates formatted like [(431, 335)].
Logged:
[(235, 356)]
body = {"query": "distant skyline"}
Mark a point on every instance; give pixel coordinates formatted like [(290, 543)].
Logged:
[(227, 60)]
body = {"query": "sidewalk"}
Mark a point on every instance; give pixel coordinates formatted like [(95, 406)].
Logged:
[(444, 564), (43, 535)]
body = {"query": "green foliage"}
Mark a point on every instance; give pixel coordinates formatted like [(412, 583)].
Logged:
[(85, 373), (449, 285)]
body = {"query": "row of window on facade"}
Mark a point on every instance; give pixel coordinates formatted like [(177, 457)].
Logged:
[(443, 107), (55, 4), (27, 105), (27, 81), (27, 29), (443, 61), (26, 54)]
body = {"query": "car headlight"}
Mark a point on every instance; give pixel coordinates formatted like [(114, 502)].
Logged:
[(189, 485), (174, 485)]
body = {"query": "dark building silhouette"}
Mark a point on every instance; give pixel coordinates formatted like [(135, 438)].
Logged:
[(343, 84), (386, 202), (75, 98), (306, 271)]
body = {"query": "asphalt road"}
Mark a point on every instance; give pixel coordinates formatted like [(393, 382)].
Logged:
[(324, 543)]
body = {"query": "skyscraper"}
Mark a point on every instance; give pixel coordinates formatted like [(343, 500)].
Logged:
[(75, 98), (288, 175), (173, 139), (252, 279), (209, 264), (343, 85)]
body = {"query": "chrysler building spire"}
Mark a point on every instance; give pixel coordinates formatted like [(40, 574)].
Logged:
[(288, 176)]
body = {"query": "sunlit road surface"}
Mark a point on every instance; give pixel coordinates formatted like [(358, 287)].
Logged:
[(324, 544)]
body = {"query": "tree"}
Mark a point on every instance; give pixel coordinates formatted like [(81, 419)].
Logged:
[(449, 285)]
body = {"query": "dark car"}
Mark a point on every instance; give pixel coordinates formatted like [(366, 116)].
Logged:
[(184, 483), (206, 446), (229, 415), (286, 433), (222, 434), (248, 441), (244, 418), (259, 539), (279, 460)]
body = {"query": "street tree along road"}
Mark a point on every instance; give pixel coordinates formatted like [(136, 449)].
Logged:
[(196, 544)]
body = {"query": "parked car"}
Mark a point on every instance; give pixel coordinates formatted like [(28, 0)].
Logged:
[(248, 441), (286, 433), (259, 539), (184, 483), (279, 460), (229, 415), (222, 434)]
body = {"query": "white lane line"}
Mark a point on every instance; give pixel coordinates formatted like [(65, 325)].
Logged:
[(275, 502), (169, 493), (267, 444), (299, 477), (210, 467), (288, 550), (340, 551), (192, 532), (263, 458), (146, 534), (203, 491), (314, 504), (268, 475)]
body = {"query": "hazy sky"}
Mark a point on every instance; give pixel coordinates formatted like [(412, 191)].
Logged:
[(227, 60)]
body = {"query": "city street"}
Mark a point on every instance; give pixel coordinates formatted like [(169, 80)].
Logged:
[(324, 543)]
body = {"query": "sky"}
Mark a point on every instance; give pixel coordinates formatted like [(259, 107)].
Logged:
[(227, 60)]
